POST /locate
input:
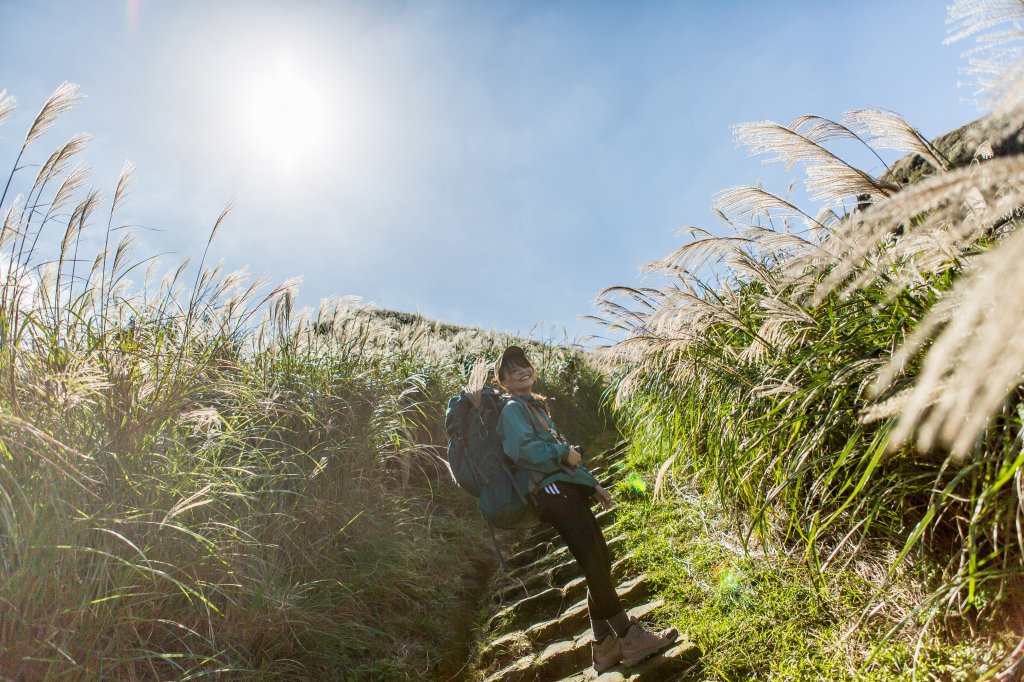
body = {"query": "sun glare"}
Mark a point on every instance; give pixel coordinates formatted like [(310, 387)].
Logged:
[(284, 115)]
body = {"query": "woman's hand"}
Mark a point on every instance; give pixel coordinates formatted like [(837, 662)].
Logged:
[(574, 457), (603, 496)]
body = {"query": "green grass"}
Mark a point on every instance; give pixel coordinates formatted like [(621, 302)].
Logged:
[(197, 480), (759, 617), (811, 376)]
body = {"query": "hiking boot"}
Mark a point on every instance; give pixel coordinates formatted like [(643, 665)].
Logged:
[(606, 652), (639, 644)]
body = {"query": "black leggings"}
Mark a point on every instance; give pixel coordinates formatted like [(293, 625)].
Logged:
[(569, 512)]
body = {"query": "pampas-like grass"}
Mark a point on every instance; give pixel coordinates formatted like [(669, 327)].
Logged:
[(829, 178), (477, 378), (752, 203), (59, 159), (817, 373), (881, 129), (7, 105), (63, 99), (952, 400)]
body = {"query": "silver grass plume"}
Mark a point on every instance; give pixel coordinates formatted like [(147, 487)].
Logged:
[(154, 265), (124, 182), (12, 221), (476, 381), (750, 203), (950, 202), (7, 105), (210, 274), (72, 183), (124, 247), (288, 287), (818, 129), (773, 242), (77, 221), (785, 324), (231, 281), (61, 101), (828, 176), (171, 277), (952, 400), (97, 264), (995, 61), (697, 254), (220, 220), (47, 284), (786, 144), (60, 158), (881, 129), (752, 270)]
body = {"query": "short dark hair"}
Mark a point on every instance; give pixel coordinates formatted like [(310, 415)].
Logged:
[(513, 356)]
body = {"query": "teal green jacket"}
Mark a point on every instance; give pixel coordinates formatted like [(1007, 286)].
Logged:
[(532, 446)]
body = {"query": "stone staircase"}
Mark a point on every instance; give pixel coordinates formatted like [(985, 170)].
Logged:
[(538, 628)]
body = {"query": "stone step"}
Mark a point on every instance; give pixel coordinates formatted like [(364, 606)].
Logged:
[(527, 556), (563, 658), (502, 651), (509, 592), (576, 589), (507, 647), (576, 618), (543, 533), (536, 566), (606, 515), (520, 671), (557, 575), (542, 581), (523, 573), (527, 609), (506, 592), (607, 468), (680, 663)]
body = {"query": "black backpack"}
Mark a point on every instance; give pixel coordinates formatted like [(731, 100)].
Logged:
[(480, 466)]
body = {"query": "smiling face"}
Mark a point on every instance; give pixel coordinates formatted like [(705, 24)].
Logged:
[(517, 375)]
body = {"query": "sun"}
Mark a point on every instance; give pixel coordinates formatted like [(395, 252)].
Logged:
[(284, 114)]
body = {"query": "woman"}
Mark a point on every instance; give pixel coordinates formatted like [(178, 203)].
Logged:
[(563, 490)]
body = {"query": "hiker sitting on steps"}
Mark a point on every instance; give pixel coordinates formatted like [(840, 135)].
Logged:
[(563, 491)]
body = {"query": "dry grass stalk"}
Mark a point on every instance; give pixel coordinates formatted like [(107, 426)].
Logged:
[(59, 160), (948, 202), (61, 101), (477, 378), (951, 399), (881, 129), (995, 61), (7, 105)]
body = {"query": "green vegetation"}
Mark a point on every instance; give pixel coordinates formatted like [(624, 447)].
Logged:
[(843, 384), (196, 480), (758, 616), (823, 411)]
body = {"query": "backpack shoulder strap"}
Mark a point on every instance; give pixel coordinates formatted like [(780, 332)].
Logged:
[(529, 413), (536, 419)]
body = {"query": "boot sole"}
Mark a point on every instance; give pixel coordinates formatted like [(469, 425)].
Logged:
[(639, 658)]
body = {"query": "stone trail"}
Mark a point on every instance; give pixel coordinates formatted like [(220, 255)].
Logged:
[(538, 629)]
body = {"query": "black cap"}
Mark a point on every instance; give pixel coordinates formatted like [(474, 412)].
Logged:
[(510, 352)]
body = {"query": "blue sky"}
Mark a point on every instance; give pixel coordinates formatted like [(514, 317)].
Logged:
[(485, 163)]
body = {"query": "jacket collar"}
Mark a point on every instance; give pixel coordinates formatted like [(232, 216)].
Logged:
[(527, 398)]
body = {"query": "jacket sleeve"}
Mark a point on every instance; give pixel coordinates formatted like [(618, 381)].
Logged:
[(524, 445)]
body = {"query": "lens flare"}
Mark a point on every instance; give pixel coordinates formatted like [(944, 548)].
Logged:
[(133, 15)]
